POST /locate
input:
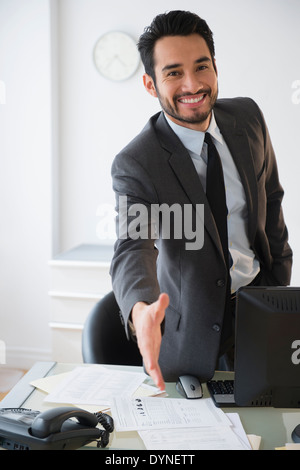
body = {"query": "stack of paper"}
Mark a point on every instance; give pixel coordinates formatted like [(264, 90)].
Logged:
[(95, 385), (170, 424), (92, 387), (162, 423)]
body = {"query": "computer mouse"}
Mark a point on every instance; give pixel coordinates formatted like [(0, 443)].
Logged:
[(189, 386), (296, 434)]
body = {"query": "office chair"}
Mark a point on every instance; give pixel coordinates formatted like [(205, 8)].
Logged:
[(104, 339)]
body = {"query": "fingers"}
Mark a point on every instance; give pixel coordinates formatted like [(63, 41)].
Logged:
[(163, 303), (147, 321), (156, 376)]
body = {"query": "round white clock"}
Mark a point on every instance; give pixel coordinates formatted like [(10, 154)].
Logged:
[(116, 56)]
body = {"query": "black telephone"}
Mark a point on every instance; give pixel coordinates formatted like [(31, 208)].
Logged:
[(54, 429)]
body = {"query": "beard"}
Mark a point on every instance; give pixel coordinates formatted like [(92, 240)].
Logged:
[(198, 116)]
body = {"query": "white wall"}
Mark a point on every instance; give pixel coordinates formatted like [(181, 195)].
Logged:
[(69, 121), (25, 179)]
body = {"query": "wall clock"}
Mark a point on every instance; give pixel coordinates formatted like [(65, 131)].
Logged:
[(116, 56)]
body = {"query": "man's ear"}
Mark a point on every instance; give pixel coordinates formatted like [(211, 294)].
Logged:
[(149, 85), (216, 69)]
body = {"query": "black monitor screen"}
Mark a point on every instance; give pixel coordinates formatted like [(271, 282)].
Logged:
[(267, 349)]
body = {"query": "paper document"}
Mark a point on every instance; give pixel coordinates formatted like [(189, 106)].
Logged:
[(164, 413), (95, 385), (48, 384), (204, 438), (238, 429)]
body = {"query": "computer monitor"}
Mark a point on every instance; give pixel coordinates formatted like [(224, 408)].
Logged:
[(267, 348)]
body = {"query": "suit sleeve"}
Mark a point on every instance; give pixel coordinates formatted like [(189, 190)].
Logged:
[(276, 230), (133, 268)]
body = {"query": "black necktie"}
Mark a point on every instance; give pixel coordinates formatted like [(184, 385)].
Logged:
[(215, 193)]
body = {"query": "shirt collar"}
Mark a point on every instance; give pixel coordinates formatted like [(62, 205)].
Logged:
[(214, 130), (193, 140)]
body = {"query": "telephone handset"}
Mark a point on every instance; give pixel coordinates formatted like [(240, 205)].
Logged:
[(55, 429)]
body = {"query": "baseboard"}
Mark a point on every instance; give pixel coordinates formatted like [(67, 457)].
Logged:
[(25, 358)]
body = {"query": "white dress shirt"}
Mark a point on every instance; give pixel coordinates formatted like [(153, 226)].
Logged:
[(245, 266)]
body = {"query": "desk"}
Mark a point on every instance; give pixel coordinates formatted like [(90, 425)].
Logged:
[(274, 425)]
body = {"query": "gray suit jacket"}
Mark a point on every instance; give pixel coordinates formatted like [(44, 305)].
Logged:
[(155, 168)]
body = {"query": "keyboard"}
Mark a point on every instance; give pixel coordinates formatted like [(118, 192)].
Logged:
[(222, 392)]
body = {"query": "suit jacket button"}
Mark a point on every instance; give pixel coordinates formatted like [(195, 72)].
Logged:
[(216, 327), (220, 283)]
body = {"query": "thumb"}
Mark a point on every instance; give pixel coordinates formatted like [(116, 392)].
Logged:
[(163, 300), (161, 305)]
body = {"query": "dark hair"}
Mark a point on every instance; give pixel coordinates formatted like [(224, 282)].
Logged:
[(173, 23)]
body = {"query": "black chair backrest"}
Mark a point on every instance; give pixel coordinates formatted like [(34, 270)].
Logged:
[(104, 339)]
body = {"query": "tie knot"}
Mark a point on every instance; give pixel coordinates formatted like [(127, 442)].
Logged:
[(207, 138)]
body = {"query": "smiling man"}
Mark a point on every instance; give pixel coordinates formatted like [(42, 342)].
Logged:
[(179, 304)]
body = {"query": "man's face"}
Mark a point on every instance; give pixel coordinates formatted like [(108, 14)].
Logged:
[(186, 80)]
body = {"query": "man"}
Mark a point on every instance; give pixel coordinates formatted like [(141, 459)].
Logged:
[(179, 301)]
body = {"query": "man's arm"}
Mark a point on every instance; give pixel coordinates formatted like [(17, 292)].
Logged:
[(133, 267), (276, 229)]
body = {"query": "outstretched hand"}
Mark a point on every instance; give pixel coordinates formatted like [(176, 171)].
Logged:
[(147, 321)]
